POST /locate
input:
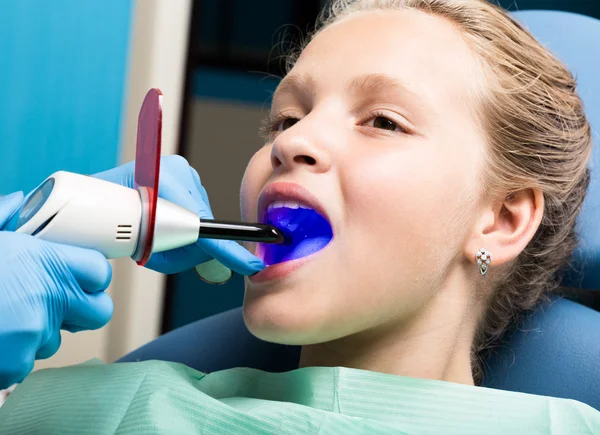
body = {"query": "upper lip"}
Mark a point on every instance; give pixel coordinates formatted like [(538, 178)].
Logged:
[(281, 191)]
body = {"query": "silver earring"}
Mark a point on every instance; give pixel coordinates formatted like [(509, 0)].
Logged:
[(483, 258)]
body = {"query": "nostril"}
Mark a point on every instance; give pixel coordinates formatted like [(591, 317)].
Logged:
[(275, 162), (305, 159)]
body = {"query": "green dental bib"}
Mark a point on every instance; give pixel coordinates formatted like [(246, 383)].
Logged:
[(167, 398)]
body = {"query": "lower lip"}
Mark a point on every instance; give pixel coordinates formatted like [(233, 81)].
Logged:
[(281, 270)]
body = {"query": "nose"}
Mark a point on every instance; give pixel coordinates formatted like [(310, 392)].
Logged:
[(297, 148)]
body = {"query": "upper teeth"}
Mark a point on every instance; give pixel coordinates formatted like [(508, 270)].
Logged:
[(286, 204)]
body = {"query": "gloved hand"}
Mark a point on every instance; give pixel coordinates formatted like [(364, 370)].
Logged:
[(44, 287), (180, 184)]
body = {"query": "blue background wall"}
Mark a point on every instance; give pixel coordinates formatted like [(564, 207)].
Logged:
[(62, 77)]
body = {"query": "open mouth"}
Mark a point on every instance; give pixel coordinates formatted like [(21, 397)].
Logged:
[(307, 232)]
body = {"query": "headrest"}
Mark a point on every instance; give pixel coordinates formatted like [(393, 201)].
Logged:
[(575, 39)]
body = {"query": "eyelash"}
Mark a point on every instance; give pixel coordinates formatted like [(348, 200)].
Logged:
[(272, 123), (402, 129)]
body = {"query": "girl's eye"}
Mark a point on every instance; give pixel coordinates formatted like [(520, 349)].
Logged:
[(382, 121), (385, 124), (286, 123), (273, 125)]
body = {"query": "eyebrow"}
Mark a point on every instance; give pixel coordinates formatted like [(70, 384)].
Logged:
[(382, 83), (373, 85), (300, 83)]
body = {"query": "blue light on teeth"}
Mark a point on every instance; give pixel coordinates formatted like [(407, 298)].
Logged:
[(309, 232)]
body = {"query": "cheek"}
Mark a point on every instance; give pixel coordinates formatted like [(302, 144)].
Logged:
[(410, 204), (256, 175)]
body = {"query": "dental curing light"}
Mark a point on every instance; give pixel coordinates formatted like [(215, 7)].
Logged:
[(117, 221)]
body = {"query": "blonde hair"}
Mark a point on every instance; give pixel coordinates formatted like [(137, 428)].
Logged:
[(537, 137)]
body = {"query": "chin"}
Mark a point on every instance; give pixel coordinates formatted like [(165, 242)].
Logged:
[(282, 317)]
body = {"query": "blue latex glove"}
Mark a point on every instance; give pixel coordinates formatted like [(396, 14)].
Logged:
[(44, 287), (180, 184)]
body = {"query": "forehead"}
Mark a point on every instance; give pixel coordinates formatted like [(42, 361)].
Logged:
[(424, 51)]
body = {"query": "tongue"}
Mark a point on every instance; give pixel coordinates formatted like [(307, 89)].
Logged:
[(309, 232)]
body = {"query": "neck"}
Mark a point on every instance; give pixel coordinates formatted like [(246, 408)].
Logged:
[(434, 344)]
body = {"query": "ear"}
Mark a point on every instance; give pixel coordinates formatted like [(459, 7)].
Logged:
[(505, 227)]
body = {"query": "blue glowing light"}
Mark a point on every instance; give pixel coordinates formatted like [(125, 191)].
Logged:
[(308, 230)]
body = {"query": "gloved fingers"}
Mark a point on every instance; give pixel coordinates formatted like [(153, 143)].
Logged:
[(234, 257), (123, 175), (15, 366), (213, 272), (199, 187), (177, 260), (187, 257), (10, 378), (186, 196), (179, 183), (88, 311), (91, 270), (8, 205), (50, 347), (26, 369), (231, 255), (173, 168), (187, 191)]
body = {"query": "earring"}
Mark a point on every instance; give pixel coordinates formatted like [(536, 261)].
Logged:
[(483, 258)]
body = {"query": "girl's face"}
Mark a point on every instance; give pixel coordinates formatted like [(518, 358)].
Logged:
[(372, 129)]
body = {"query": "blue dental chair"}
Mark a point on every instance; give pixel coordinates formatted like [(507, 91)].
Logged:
[(555, 351)]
